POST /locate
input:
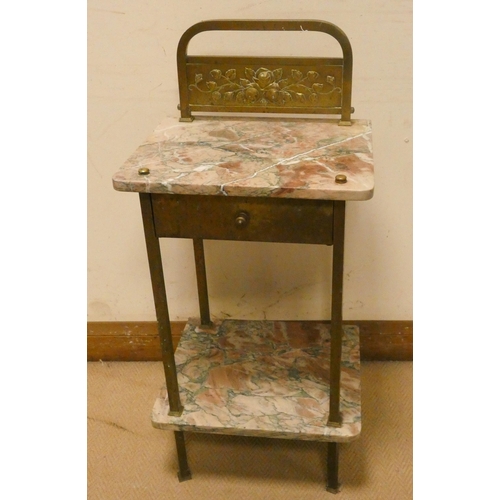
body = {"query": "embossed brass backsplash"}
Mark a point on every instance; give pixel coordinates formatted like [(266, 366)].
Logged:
[(265, 84)]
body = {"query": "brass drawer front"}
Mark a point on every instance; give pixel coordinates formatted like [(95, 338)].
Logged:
[(243, 219)]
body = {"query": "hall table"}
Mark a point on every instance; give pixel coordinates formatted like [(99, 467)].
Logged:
[(258, 178)]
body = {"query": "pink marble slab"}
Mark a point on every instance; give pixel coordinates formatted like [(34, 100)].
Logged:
[(288, 158), (263, 378)]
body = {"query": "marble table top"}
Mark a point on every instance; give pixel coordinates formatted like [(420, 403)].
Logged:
[(263, 378), (267, 157)]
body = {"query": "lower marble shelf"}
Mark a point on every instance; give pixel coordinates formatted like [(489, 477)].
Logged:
[(263, 378)]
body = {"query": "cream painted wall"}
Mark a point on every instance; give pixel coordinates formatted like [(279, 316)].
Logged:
[(132, 85)]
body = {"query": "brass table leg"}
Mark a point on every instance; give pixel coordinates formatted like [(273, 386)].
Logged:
[(184, 473), (201, 279), (332, 468), (160, 298), (162, 316), (335, 419)]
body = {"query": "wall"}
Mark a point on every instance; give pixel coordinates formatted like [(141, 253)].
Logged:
[(132, 84)]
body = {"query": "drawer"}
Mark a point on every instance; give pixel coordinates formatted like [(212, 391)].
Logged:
[(243, 218)]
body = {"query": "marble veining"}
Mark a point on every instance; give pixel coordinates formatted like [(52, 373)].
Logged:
[(289, 158), (263, 378)]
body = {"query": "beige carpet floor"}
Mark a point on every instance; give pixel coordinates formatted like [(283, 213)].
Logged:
[(129, 459)]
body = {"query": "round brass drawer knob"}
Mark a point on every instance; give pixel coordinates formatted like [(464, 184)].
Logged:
[(143, 171), (242, 219), (340, 179)]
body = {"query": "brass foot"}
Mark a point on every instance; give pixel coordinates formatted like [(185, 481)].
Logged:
[(184, 476), (334, 490)]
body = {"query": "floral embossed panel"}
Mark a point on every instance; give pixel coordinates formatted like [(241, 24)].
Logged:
[(267, 86)]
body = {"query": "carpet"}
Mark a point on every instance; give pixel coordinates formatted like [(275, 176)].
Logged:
[(129, 459)]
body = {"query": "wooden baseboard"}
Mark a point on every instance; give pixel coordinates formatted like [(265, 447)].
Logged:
[(138, 341)]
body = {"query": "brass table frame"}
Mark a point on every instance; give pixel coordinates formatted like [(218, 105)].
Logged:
[(228, 88)]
